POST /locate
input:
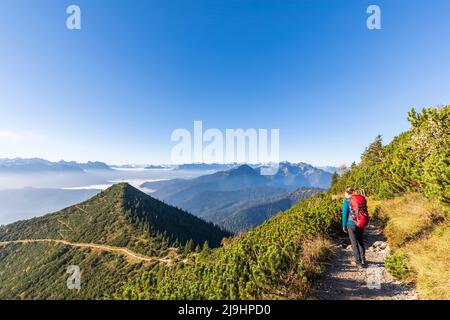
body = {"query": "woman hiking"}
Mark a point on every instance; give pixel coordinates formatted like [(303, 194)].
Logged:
[(355, 233)]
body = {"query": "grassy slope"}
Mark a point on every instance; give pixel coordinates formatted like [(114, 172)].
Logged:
[(418, 231)]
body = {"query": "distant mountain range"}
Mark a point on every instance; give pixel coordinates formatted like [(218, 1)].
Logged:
[(228, 197), (315, 175), (155, 166), (296, 175), (243, 209), (110, 237), (332, 169), (207, 166), (20, 165), (312, 174), (179, 190), (90, 165), (219, 197), (289, 177)]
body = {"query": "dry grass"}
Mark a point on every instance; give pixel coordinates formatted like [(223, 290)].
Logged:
[(409, 217), (420, 230), (429, 257), (315, 254), (299, 283)]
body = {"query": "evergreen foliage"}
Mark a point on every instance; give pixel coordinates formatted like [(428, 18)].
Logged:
[(121, 216), (249, 266), (417, 160)]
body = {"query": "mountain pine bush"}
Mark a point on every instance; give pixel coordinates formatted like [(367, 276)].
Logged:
[(257, 265), (417, 160), (269, 261)]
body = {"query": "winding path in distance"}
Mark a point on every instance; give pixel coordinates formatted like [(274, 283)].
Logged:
[(117, 250)]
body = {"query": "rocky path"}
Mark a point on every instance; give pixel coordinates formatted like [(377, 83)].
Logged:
[(344, 281)]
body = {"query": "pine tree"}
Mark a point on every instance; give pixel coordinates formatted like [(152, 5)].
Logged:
[(334, 179), (189, 246), (374, 153)]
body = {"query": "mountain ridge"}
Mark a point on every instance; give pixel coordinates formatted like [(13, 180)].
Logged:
[(112, 236), (126, 202), (224, 196), (18, 165)]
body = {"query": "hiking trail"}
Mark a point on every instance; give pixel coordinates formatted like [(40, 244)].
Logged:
[(344, 281), (112, 249)]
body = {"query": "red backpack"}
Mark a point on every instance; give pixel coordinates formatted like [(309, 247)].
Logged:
[(358, 210)]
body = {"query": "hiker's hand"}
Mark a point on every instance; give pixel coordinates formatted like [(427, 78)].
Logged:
[(344, 229)]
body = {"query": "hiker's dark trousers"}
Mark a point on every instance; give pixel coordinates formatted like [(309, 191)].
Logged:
[(356, 238)]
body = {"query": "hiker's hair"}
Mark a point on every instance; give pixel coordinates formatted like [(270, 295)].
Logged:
[(349, 191)]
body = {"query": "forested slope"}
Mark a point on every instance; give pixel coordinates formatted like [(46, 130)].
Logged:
[(275, 260), (121, 219)]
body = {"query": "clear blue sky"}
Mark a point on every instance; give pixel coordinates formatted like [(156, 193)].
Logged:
[(115, 90)]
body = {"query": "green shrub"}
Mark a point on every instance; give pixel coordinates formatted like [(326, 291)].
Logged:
[(397, 266), (256, 265), (417, 160)]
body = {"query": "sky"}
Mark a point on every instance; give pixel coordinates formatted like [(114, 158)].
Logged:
[(115, 90)]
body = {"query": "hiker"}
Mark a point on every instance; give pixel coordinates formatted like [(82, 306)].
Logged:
[(350, 226)]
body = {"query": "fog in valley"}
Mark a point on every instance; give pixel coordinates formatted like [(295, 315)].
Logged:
[(24, 195)]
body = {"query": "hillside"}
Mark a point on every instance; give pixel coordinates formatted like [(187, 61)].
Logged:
[(245, 214), (408, 182), (418, 232), (276, 260), (105, 236), (210, 203), (285, 256)]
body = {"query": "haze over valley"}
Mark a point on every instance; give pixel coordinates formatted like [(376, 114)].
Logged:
[(34, 187)]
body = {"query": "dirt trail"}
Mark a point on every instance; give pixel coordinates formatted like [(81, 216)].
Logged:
[(107, 248), (344, 281)]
